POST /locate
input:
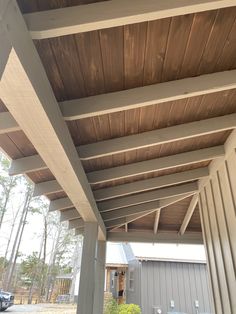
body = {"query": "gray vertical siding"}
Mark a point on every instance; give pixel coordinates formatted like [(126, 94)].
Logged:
[(134, 296), (158, 282)]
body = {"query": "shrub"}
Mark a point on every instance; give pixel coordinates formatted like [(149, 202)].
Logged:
[(129, 309), (112, 307)]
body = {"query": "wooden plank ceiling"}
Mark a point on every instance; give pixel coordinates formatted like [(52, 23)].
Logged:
[(130, 56)]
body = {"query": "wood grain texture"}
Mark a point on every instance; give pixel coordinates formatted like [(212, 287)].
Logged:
[(124, 57)]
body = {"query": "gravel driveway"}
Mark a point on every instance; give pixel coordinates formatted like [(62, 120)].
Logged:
[(42, 308)]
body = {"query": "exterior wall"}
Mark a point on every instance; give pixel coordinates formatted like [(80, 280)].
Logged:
[(218, 215), (183, 283), (134, 295)]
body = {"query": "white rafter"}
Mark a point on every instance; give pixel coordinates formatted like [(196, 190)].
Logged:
[(59, 204), (157, 137), (127, 211), (142, 96), (76, 19), (156, 164), (47, 187), (156, 221), (147, 196), (150, 184), (189, 214), (69, 214)]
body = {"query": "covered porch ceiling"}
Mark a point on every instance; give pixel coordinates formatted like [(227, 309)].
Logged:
[(116, 109)]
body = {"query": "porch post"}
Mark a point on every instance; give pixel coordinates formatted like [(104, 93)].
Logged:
[(87, 273), (218, 217), (100, 278)]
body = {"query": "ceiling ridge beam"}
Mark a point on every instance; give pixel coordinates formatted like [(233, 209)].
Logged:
[(147, 196), (156, 164), (189, 214), (139, 97), (150, 184), (160, 237), (77, 19), (157, 137)]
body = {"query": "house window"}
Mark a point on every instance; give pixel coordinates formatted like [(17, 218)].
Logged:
[(131, 280)]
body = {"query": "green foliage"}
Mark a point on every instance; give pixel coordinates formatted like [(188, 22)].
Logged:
[(129, 309), (112, 307), (29, 268), (3, 263)]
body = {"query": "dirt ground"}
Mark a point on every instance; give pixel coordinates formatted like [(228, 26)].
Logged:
[(42, 308)]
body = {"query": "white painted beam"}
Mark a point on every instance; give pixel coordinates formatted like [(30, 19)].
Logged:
[(143, 96), (156, 164), (26, 165), (27, 94), (76, 223), (141, 140), (147, 196), (127, 211), (69, 214), (46, 188), (189, 214), (136, 98), (59, 204), (156, 222), (174, 199), (77, 19), (150, 184), (35, 162), (160, 237), (157, 137), (7, 123), (148, 95), (119, 222)]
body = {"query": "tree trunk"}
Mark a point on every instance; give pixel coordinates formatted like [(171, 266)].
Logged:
[(7, 196), (17, 241), (52, 264)]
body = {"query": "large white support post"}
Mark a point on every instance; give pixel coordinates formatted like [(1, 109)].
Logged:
[(218, 217), (87, 274), (99, 277)]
